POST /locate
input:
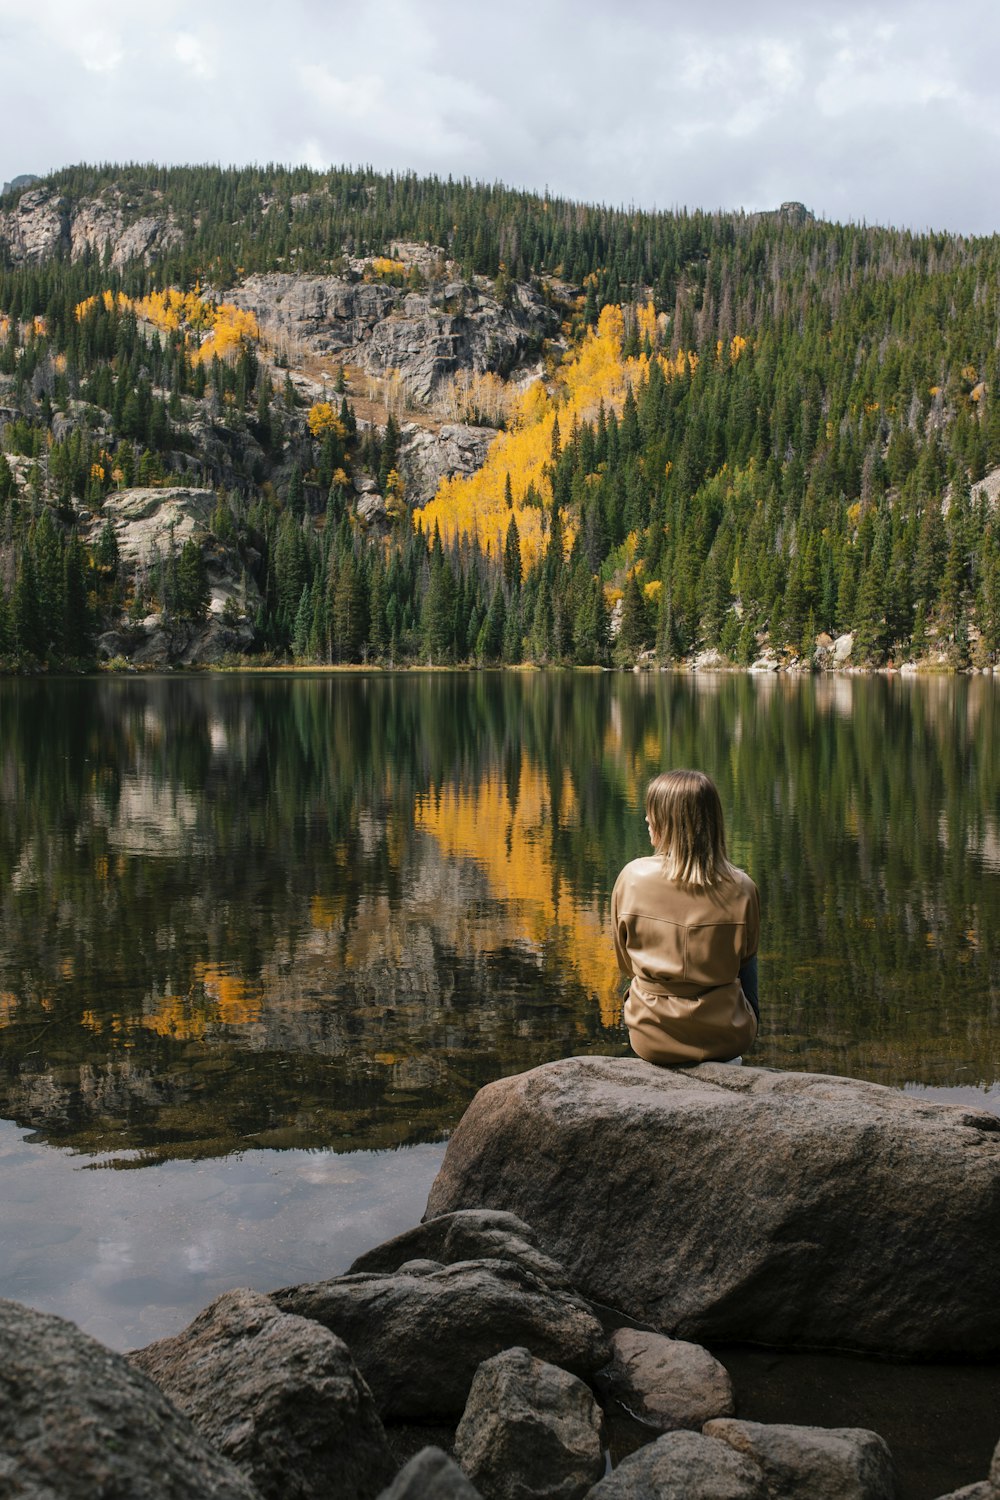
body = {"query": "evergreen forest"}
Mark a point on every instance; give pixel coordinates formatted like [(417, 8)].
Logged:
[(750, 433)]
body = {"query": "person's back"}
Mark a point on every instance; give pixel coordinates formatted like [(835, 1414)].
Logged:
[(686, 928)]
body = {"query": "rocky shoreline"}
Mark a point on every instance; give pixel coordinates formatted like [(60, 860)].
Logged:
[(478, 1353)]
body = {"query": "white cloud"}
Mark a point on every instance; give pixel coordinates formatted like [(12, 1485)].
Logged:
[(190, 53), (886, 114)]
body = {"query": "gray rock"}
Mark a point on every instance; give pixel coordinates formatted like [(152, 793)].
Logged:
[(981, 1491), (813, 1463), (381, 328), (719, 1203), (371, 510), (419, 1340), (683, 1466), (995, 1469), (430, 1475), (469, 1234), (147, 522), (78, 1422), (427, 457), (42, 224), (278, 1396), (666, 1383), (529, 1430), (36, 228)]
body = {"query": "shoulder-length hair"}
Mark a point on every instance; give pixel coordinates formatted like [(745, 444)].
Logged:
[(686, 824)]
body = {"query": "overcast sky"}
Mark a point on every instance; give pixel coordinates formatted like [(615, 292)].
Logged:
[(886, 113)]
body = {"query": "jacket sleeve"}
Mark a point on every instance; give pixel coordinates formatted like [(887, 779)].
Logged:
[(752, 929), (621, 952)]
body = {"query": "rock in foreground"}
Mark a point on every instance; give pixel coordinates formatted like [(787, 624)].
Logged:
[(666, 1383), (721, 1203), (813, 1463), (529, 1428), (79, 1422), (278, 1396), (420, 1335)]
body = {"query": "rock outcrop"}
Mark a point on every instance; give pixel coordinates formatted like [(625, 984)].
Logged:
[(721, 1203), (78, 1421), (149, 524), (420, 1335), (424, 337), (428, 457), (43, 223), (277, 1396)]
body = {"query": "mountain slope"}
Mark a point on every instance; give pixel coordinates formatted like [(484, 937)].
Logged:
[(719, 432)]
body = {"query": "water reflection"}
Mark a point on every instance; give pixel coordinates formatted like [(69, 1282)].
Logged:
[(132, 1259), (304, 912)]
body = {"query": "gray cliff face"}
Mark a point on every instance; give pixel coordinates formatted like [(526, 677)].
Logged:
[(43, 223), (424, 336), (428, 457)]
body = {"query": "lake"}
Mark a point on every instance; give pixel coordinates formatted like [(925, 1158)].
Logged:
[(262, 937)]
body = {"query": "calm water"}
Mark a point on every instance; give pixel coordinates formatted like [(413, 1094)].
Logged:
[(264, 937)]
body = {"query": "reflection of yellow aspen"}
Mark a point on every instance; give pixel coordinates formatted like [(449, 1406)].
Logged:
[(237, 1000), (173, 1017), (8, 1006), (512, 847), (326, 913)]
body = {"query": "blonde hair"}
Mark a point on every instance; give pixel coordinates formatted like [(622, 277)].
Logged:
[(686, 823)]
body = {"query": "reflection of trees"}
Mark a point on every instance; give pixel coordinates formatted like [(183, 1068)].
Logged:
[(221, 918)]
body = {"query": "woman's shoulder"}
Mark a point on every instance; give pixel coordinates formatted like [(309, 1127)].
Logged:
[(640, 871), (743, 883)]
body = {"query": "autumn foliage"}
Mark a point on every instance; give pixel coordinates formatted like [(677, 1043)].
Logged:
[(596, 374), (211, 329)]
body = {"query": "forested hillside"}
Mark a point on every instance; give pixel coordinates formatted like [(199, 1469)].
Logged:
[(721, 432)]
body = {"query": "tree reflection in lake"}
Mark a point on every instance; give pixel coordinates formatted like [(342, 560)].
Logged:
[(299, 911)]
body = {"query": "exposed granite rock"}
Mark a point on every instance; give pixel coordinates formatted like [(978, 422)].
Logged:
[(529, 1430), (666, 1383), (747, 1204), (430, 1475), (682, 1466), (279, 1396), (428, 457), (43, 224), (36, 228), (419, 1339), (813, 1463), (469, 1234), (148, 521), (79, 1421), (425, 337)]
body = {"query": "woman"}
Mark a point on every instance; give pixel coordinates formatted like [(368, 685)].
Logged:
[(686, 925)]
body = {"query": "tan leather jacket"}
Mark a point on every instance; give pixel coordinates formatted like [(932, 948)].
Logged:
[(682, 948)]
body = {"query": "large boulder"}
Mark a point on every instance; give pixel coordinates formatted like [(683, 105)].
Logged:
[(279, 1396), (78, 1422), (721, 1203), (419, 1337), (813, 1463), (682, 1466), (530, 1431)]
